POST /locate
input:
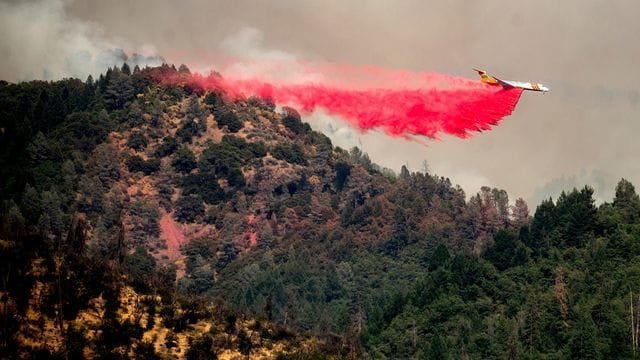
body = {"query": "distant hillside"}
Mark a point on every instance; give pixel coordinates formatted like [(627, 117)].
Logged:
[(148, 220)]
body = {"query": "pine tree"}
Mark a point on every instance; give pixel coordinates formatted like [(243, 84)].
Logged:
[(520, 212), (126, 69), (119, 90), (627, 201)]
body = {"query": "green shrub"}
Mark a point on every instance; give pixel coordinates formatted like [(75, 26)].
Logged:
[(230, 120), (293, 122), (220, 158), (135, 163), (214, 100), (247, 150), (141, 266), (169, 146), (137, 140), (258, 149), (184, 160), (188, 130), (343, 170), (236, 178), (204, 185), (188, 208), (291, 153)]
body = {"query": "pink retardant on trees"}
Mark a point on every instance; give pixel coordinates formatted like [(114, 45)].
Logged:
[(400, 103)]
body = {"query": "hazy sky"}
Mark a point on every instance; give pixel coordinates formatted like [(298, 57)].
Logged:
[(587, 52)]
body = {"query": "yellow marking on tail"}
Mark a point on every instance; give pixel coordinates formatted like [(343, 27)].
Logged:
[(488, 79)]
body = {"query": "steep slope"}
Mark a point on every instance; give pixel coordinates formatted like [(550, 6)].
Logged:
[(90, 190)]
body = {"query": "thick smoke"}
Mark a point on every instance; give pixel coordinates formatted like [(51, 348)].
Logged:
[(400, 103), (41, 41)]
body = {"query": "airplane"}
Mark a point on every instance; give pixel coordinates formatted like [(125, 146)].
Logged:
[(508, 84)]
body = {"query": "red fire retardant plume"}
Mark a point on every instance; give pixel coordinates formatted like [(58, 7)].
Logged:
[(399, 103)]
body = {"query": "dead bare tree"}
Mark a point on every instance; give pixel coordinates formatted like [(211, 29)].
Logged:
[(635, 321), (561, 293)]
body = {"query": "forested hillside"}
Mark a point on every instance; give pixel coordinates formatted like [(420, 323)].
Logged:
[(148, 220)]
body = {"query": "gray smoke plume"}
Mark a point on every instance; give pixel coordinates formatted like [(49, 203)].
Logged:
[(40, 40)]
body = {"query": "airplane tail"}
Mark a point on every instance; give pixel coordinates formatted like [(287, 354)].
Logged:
[(480, 72)]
